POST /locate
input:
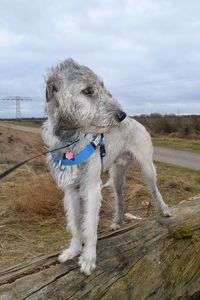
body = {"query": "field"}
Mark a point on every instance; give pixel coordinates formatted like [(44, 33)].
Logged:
[(190, 145), (187, 127), (31, 216), (179, 132)]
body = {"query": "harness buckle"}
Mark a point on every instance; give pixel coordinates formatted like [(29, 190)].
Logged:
[(96, 141)]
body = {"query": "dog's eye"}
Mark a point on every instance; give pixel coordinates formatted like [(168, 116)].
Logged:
[(89, 91)]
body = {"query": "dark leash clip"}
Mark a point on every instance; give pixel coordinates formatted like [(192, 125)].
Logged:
[(102, 150), (102, 147)]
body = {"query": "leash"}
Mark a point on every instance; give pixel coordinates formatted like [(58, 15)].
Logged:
[(68, 157), (12, 169)]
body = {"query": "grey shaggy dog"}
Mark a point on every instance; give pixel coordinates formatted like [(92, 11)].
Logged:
[(78, 105)]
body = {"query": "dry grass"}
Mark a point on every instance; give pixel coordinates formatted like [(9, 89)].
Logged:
[(32, 221), (32, 217), (29, 123), (17, 145), (42, 198), (181, 126)]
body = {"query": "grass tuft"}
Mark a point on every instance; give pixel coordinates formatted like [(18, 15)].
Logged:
[(40, 198)]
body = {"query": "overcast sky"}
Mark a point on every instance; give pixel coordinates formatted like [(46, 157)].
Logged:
[(147, 51)]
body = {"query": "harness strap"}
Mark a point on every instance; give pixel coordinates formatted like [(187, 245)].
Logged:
[(83, 155)]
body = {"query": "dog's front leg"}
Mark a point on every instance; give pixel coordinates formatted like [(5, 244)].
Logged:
[(91, 194), (72, 212)]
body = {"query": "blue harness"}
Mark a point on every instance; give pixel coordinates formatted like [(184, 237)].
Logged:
[(69, 159)]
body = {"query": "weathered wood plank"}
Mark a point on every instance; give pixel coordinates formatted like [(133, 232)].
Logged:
[(152, 259)]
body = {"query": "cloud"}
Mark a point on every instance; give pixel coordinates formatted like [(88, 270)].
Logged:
[(146, 51)]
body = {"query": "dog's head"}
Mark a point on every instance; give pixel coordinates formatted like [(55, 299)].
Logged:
[(77, 99)]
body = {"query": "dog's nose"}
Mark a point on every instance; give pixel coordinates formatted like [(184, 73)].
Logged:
[(120, 116)]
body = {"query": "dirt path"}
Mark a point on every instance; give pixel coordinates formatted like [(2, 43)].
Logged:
[(19, 127), (167, 155)]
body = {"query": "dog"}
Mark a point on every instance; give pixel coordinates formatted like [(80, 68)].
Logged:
[(82, 114)]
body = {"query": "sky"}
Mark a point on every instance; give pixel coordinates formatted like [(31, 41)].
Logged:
[(146, 51)]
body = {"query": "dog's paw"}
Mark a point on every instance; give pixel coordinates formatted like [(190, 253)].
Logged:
[(67, 254), (114, 226), (87, 263), (166, 211)]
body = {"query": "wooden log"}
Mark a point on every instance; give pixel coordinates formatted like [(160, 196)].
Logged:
[(157, 258)]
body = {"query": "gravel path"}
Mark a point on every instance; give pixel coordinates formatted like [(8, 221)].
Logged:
[(172, 156)]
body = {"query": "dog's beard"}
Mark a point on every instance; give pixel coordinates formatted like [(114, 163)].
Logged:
[(65, 134)]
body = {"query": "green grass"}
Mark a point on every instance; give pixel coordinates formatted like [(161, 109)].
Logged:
[(177, 143)]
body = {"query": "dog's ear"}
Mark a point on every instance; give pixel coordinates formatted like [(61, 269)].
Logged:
[(52, 88)]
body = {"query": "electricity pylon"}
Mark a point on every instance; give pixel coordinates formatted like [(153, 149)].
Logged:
[(17, 100)]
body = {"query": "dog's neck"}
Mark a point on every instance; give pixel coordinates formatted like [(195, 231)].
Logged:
[(76, 138), (58, 136), (68, 136)]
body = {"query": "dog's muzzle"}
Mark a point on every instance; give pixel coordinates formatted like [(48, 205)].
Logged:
[(120, 116)]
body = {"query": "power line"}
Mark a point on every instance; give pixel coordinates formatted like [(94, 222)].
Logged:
[(17, 100)]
